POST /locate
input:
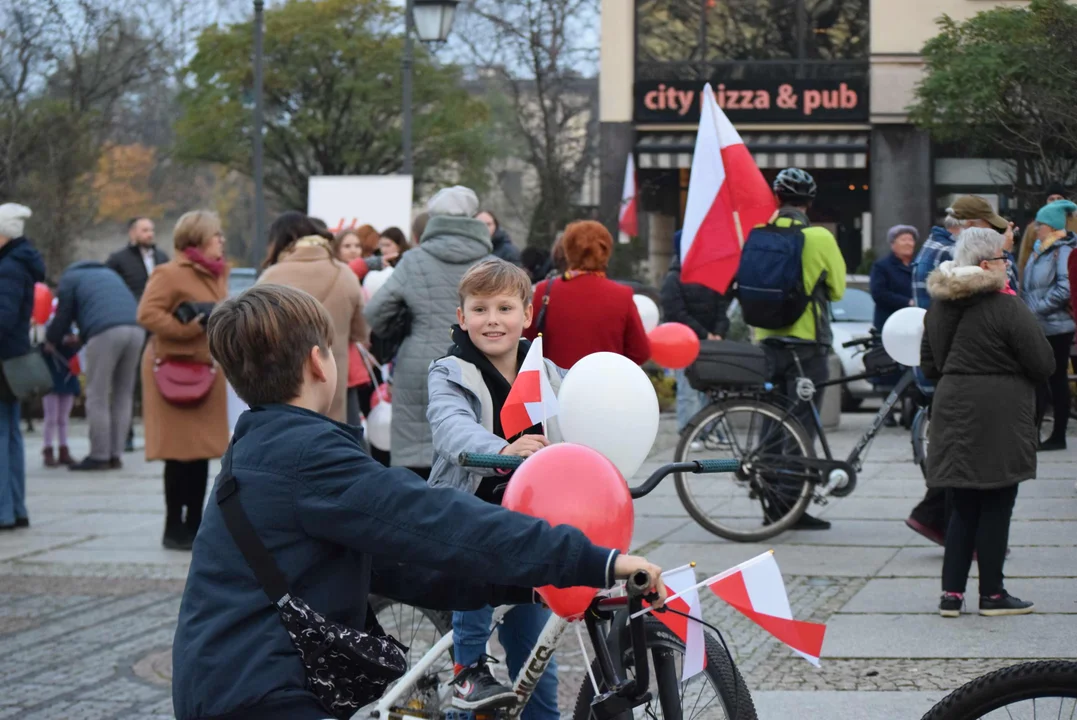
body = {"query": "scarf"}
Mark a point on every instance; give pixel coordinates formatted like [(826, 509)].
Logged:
[(313, 241), (215, 267), (496, 383), (573, 274)]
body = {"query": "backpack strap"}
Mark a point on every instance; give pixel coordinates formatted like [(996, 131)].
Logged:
[(540, 323)]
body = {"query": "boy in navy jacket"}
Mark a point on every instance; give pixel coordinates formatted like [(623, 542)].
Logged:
[(338, 524)]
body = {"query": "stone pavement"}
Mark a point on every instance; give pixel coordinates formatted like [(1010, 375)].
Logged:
[(88, 598)]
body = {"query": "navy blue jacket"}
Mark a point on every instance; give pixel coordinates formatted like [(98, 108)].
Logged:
[(93, 297), (891, 287), (333, 518), (20, 267)]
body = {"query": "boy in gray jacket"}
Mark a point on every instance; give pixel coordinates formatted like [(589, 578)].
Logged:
[(467, 390)]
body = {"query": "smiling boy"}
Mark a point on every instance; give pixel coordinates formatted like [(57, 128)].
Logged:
[(467, 391)]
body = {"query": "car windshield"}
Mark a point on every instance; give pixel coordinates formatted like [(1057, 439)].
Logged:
[(856, 306)]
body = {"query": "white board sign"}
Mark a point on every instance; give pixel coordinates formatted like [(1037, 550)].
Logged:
[(344, 201)]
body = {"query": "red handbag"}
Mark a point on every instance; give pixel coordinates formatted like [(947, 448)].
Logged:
[(183, 382)]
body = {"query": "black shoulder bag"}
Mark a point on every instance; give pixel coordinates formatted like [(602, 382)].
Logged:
[(346, 669), (540, 322)]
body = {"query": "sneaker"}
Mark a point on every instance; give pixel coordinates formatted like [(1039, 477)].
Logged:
[(950, 605), (91, 465), (1004, 604), (936, 536), (476, 689)]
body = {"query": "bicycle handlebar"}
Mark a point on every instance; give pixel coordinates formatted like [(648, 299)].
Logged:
[(859, 342), (490, 461)]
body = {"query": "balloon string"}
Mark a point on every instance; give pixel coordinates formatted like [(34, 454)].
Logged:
[(586, 660)]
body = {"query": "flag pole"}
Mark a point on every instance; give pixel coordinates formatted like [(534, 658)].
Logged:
[(708, 581), (542, 400)]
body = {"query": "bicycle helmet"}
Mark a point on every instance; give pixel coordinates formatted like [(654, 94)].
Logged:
[(795, 184)]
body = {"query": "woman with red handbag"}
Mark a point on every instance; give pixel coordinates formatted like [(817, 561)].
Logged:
[(184, 397)]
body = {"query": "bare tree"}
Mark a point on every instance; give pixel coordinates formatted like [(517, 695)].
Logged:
[(539, 53)]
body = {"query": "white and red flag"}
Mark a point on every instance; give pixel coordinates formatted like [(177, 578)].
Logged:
[(682, 583), (531, 400), (756, 589), (727, 197), (628, 218)]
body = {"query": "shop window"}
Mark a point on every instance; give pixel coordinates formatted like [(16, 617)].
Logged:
[(668, 31), (751, 29), (836, 29)]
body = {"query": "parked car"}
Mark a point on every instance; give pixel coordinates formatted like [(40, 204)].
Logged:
[(851, 318)]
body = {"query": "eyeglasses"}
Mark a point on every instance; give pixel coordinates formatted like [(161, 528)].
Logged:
[(1000, 257)]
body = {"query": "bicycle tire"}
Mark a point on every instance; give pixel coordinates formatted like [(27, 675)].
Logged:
[(1017, 683), (710, 415), (724, 676), (441, 620), (920, 445)]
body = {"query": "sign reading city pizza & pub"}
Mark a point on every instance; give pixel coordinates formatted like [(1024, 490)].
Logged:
[(796, 101)]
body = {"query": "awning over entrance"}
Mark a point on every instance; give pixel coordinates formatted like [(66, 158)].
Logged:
[(770, 150)]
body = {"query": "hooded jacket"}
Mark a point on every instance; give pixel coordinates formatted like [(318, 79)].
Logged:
[(1045, 286), (986, 353), (95, 298), (424, 283), (21, 266)]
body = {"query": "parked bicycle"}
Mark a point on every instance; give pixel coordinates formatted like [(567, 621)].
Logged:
[(624, 651), (778, 473), (1043, 689)]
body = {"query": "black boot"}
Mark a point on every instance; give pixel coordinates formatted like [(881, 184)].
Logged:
[(194, 498), (175, 537)]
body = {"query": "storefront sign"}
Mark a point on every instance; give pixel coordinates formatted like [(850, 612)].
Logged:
[(747, 101)]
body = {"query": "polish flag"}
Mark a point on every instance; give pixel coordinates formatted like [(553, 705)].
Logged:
[(531, 400), (628, 219), (682, 584), (727, 197), (757, 590)]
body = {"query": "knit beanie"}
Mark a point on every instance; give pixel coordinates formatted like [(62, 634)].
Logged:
[(457, 200), (1055, 188), (1054, 214), (13, 219), (893, 232)]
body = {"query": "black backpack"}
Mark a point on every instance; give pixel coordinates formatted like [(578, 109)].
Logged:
[(770, 278)]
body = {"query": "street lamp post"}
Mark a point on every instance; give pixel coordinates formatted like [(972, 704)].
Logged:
[(259, 172), (432, 21)]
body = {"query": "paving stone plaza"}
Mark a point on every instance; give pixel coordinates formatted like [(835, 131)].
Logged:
[(88, 598)]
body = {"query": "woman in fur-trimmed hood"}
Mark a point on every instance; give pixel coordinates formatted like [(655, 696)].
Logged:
[(986, 353)]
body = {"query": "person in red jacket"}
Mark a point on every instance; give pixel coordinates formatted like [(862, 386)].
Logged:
[(581, 312)]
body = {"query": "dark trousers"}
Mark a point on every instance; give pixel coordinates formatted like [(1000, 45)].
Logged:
[(359, 403), (1055, 393), (980, 523), (185, 489)]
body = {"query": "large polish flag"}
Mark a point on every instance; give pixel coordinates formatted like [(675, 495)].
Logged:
[(756, 589), (727, 197), (531, 400), (628, 218)]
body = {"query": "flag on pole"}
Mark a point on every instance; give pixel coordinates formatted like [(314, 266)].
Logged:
[(628, 219), (727, 197), (757, 590), (531, 400), (682, 583)]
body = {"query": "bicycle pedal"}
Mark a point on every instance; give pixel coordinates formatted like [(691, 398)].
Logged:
[(820, 500)]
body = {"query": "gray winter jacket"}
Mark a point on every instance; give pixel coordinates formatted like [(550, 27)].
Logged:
[(425, 281), (461, 417), (1046, 286), (94, 297)]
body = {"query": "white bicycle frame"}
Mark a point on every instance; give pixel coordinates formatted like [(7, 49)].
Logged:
[(523, 686)]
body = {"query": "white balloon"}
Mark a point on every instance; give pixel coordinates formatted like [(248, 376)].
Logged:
[(375, 279), (608, 404), (902, 333), (648, 312), (379, 425)]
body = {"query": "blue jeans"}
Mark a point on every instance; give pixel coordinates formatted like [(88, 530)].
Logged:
[(689, 400), (12, 465), (518, 633)]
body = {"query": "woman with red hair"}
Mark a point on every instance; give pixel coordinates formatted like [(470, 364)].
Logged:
[(580, 311)]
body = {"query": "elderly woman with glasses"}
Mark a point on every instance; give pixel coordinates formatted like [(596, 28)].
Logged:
[(986, 354), (1045, 289)]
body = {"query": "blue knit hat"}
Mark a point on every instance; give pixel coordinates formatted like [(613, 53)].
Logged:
[(1054, 214)]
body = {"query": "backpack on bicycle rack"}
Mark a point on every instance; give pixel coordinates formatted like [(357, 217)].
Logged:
[(770, 278), (723, 363)]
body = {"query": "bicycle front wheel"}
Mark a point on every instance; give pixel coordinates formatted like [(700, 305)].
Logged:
[(1045, 689), (758, 502), (717, 693), (419, 629)]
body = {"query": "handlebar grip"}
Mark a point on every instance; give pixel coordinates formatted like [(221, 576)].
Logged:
[(638, 583), (490, 461), (857, 341), (717, 466)]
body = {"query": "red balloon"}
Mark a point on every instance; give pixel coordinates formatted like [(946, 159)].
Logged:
[(566, 484), (42, 303), (674, 345)]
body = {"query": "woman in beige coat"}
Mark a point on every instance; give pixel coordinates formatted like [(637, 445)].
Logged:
[(186, 437), (301, 256)]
